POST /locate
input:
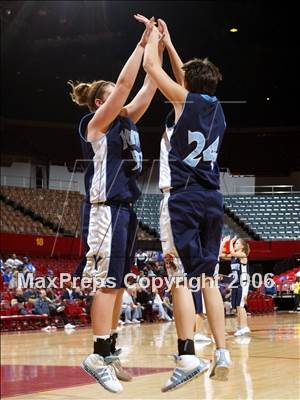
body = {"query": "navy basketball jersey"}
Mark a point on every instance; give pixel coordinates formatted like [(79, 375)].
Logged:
[(115, 162), (238, 269), (189, 149)]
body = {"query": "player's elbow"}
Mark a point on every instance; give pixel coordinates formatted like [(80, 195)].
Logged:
[(148, 65)]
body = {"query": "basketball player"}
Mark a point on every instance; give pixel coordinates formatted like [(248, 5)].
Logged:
[(192, 209), (239, 251), (109, 137)]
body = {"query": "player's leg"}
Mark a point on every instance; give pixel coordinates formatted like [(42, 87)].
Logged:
[(84, 224), (107, 241), (128, 233), (188, 365), (115, 322), (202, 243), (241, 312)]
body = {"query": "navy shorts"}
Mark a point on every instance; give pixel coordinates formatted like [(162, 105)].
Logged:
[(109, 235), (239, 295), (191, 224), (199, 302)]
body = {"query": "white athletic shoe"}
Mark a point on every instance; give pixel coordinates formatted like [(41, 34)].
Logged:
[(121, 322), (242, 331), (198, 337), (103, 372), (136, 321), (188, 368), (47, 329), (221, 365), (69, 326), (127, 321)]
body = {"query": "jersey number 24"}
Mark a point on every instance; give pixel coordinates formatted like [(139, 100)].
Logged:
[(210, 154)]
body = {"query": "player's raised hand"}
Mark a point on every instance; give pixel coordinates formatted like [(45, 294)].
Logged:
[(226, 238), (146, 34), (149, 23), (144, 20), (163, 29)]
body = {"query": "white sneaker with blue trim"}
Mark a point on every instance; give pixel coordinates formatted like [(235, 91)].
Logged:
[(221, 365), (103, 371), (188, 367)]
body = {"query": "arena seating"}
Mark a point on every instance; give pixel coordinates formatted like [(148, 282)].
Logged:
[(284, 282), (258, 303), (271, 217), (43, 264), (12, 321), (14, 221), (56, 206)]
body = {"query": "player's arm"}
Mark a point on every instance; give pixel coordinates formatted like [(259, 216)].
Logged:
[(175, 60), (223, 255), (233, 253), (174, 92), (140, 104), (113, 105)]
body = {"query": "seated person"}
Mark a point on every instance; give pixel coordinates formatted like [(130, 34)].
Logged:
[(158, 305), (132, 311)]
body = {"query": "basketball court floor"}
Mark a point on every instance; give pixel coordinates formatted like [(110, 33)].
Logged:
[(40, 365)]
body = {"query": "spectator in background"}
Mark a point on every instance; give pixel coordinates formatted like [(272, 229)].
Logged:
[(1, 262), (168, 306), (141, 259), (28, 267), (69, 293), (31, 293), (41, 305), (78, 293), (89, 296), (159, 306), (132, 311), (151, 273), (44, 306), (7, 276), (13, 261), (49, 276), (297, 293), (144, 297), (18, 302)]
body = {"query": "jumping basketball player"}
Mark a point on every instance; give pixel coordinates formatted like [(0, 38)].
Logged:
[(110, 138), (238, 254), (192, 209)]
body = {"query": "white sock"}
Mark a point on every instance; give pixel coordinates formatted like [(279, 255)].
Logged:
[(105, 337)]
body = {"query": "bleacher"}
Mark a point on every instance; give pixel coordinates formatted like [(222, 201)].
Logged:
[(270, 216), (42, 211), (56, 206), (14, 221)]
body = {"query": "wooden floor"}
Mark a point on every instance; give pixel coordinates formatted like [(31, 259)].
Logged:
[(41, 365)]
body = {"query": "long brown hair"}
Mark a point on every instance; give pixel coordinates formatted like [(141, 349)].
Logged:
[(85, 94), (246, 247)]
